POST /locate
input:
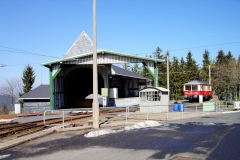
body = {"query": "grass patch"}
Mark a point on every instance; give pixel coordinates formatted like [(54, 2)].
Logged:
[(8, 116)]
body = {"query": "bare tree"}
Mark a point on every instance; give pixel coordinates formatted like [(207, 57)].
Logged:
[(11, 89), (233, 76)]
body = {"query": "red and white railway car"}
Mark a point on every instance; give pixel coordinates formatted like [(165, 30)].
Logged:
[(192, 90)]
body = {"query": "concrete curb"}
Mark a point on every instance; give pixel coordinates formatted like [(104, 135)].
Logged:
[(23, 139)]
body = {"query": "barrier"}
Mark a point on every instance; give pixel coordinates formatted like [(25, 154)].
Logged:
[(178, 107), (175, 108), (181, 107)]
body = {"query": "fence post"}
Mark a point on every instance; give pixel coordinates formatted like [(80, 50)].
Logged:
[(216, 107), (196, 107), (147, 113), (167, 111), (126, 113), (44, 118), (63, 117)]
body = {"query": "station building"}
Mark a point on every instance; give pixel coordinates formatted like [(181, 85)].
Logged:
[(71, 78)]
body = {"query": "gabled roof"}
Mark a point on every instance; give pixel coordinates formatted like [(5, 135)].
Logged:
[(83, 49), (123, 72), (41, 92), (150, 89), (82, 45), (196, 82)]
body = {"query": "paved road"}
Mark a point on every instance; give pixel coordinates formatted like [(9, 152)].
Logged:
[(209, 137)]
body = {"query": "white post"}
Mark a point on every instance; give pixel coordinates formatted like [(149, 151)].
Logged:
[(126, 113), (63, 117), (147, 113), (167, 74), (200, 98)]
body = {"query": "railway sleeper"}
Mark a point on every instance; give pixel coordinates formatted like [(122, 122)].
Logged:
[(9, 131), (17, 125), (18, 134)]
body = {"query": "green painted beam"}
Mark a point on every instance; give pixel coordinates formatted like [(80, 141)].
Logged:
[(148, 69), (103, 52), (51, 86), (55, 75), (154, 75), (51, 89)]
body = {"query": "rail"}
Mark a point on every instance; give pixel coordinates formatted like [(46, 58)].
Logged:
[(44, 118), (61, 114), (147, 111)]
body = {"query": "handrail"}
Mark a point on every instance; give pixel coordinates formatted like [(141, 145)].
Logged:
[(44, 116)]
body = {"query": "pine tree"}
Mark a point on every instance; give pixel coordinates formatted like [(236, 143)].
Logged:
[(219, 76), (238, 75), (184, 70), (162, 67), (157, 53), (5, 109), (175, 79), (205, 66), (137, 69), (192, 68), (28, 78)]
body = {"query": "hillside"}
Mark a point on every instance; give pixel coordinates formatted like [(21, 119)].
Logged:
[(6, 100)]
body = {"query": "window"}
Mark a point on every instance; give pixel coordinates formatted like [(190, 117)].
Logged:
[(194, 88), (187, 88)]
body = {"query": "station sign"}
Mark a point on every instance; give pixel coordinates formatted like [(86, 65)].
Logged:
[(208, 106), (104, 92)]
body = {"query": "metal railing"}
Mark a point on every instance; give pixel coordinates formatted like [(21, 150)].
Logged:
[(188, 109), (61, 115)]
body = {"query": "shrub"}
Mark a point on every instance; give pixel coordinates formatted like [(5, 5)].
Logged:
[(5, 109)]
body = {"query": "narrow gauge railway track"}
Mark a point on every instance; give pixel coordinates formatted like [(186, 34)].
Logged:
[(9, 131)]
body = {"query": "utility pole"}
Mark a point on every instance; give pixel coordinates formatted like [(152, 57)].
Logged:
[(95, 104), (167, 74), (209, 72)]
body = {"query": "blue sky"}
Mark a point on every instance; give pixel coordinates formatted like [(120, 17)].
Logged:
[(50, 27)]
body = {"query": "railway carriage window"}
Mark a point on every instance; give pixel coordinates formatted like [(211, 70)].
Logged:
[(206, 88), (188, 88), (194, 88)]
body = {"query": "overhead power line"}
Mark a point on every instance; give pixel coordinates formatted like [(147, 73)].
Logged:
[(6, 65), (204, 46), (211, 45), (8, 49)]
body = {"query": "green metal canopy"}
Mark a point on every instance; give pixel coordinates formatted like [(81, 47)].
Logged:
[(140, 59)]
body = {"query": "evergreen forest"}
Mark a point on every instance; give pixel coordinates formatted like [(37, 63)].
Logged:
[(223, 73)]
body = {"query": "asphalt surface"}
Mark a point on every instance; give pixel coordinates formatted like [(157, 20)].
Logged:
[(210, 137)]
